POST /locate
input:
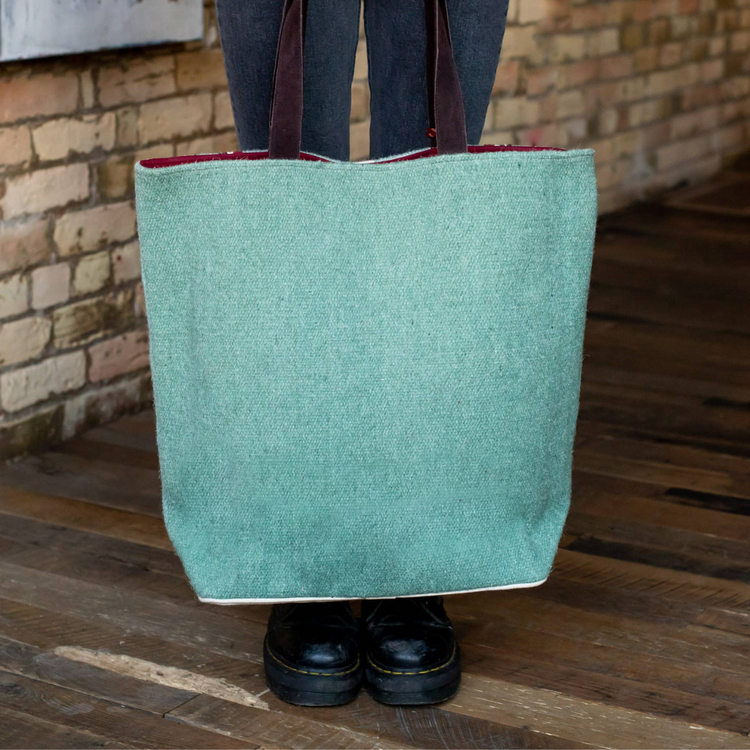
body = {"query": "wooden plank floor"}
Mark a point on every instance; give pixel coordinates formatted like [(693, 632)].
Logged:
[(641, 638)]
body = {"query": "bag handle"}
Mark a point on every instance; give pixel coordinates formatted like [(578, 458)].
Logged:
[(447, 118)]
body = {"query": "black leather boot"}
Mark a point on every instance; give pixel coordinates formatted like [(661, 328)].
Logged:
[(311, 653), (410, 654)]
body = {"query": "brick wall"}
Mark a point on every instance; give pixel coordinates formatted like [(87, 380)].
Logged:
[(660, 88)]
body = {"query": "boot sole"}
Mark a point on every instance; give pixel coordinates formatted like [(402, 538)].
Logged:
[(307, 688), (400, 688)]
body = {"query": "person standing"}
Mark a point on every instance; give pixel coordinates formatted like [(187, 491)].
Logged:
[(404, 649)]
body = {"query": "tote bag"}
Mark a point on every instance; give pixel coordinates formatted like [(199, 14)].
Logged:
[(366, 375)]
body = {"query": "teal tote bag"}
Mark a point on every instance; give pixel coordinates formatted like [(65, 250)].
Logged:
[(366, 375)]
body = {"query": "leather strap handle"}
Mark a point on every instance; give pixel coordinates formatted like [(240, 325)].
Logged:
[(444, 90)]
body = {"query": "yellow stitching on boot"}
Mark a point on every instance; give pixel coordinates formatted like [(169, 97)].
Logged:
[(318, 674), (426, 671)]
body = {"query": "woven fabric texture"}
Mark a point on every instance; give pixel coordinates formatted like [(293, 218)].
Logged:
[(366, 376)]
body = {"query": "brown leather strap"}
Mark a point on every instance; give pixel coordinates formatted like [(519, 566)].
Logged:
[(444, 90), (285, 130)]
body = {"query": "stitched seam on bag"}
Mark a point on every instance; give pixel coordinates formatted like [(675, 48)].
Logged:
[(426, 671), (318, 674), (219, 165)]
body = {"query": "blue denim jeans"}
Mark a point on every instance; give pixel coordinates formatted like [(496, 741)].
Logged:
[(396, 56)]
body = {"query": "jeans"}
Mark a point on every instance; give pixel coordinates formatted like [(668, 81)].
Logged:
[(396, 55)]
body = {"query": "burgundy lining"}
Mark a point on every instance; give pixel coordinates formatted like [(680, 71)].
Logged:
[(173, 161)]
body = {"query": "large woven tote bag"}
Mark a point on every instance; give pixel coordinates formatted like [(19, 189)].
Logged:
[(366, 375)]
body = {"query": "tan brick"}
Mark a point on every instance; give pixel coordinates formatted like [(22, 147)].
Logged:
[(82, 231), (696, 50), (126, 262), (656, 135), (588, 16), (733, 87), (547, 108), (556, 17), (23, 245), (59, 138), (612, 173), (711, 70), (732, 137), (202, 69), (631, 37), (717, 46), (14, 295), (643, 10), (46, 188), (360, 62), (118, 356), (602, 150), (578, 73), (83, 321), (30, 385), (139, 301), (360, 109), (670, 55), (704, 25), (567, 47), (689, 7), (695, 97), (43, 95), (642, 113), (608, 121), (141, 81), (603, 42), (223, 116), (15, 146), (531, 11), (92, 273), (22, 340), (540, 80), (619, 66), (514, 111), (115, 178), (170, 118), (740, 42), (664, 82), (519, 41), (211, 144), (627, 144), (647, 59), (127, 127), (88, 90), (506, 77), (50, 285), (570, 104), (659, 31), (680, 28)]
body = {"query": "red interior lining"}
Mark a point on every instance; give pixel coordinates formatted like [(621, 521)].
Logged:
[(173, 161)]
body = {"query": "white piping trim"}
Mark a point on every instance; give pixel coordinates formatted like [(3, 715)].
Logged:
[(231, 602)]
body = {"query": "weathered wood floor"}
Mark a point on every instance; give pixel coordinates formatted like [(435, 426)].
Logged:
[(641, 639)]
